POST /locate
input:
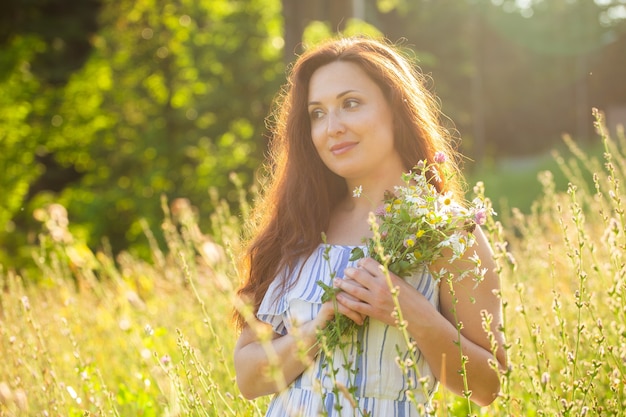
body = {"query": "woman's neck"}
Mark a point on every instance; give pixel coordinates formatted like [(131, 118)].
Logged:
[(370, 195), (349, 222)]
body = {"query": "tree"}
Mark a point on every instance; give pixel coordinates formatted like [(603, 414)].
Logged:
[(171, 100), (20, 132), (185, 88), (518, 77), (43, 42), (297, 15)]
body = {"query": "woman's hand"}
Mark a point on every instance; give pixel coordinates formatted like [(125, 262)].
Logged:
[(366, 291), (327, 312), (253, 357)]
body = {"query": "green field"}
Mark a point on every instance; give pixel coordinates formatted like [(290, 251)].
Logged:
[(90, 334), (514, 181)]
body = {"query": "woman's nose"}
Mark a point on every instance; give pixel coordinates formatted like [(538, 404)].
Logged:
[(335, 124)]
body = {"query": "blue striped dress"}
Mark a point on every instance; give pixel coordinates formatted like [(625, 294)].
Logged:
[(381, 384)]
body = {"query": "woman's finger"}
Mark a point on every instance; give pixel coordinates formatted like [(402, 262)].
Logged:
[(353, 289), (374, 268), (360, 276), (350, 307)]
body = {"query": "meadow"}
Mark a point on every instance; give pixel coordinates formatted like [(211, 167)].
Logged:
[(92, 334)]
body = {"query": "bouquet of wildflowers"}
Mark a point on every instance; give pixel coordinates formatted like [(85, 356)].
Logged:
[(415, 224)]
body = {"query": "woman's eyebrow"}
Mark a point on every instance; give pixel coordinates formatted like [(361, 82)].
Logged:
[(343, 93)]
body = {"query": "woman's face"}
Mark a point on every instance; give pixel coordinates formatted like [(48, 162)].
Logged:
[(351, 123)]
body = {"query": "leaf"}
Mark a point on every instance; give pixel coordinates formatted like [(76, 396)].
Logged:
[(395, 268), (356, 254), (405, 216), (329, 292)]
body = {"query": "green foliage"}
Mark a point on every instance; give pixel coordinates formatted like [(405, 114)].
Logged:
[(171, 100), (63, 27), (180, 105), (20, 126), (522, 175), (513, 76), (318, 31), (579, 30)]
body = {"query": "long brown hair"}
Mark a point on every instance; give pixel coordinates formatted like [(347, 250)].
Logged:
[(295, 206)]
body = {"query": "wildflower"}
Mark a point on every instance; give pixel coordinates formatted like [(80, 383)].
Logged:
[(480, 217), (124, 324), (480, 273), (20, 399), (442, 272), (445, 202), (5, 393), (356, 193), (436, 174), (479, 188), (458, 243), (409, 242), (145, 353), (475, 259), (73, 394), (25, 303), (511, 259), (440, 157)]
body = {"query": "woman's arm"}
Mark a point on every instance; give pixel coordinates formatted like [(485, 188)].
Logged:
[(464, 302), (366, 291), (254, 359), (267, 365)]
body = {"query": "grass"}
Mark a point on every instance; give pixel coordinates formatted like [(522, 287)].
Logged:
[(513, 182), (90, 334)]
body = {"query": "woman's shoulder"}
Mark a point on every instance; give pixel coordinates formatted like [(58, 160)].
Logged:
[(298, 285)]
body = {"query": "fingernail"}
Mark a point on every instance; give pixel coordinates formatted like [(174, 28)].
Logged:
[(337, 282), (349, 271)]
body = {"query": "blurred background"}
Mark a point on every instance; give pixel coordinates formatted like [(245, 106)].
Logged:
[(108, 105)]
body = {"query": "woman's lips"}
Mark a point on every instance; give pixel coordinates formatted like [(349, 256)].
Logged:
[(342, 148)]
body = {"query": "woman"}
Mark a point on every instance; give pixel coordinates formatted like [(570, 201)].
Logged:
[(354, 114)]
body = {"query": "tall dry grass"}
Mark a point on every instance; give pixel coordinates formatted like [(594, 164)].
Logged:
[(564, 295), (90, 334)]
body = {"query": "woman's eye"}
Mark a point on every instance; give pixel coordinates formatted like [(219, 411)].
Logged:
[(316, 114), (350, 103)]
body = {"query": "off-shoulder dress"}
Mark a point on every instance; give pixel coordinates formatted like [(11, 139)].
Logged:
[(381, 384)]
